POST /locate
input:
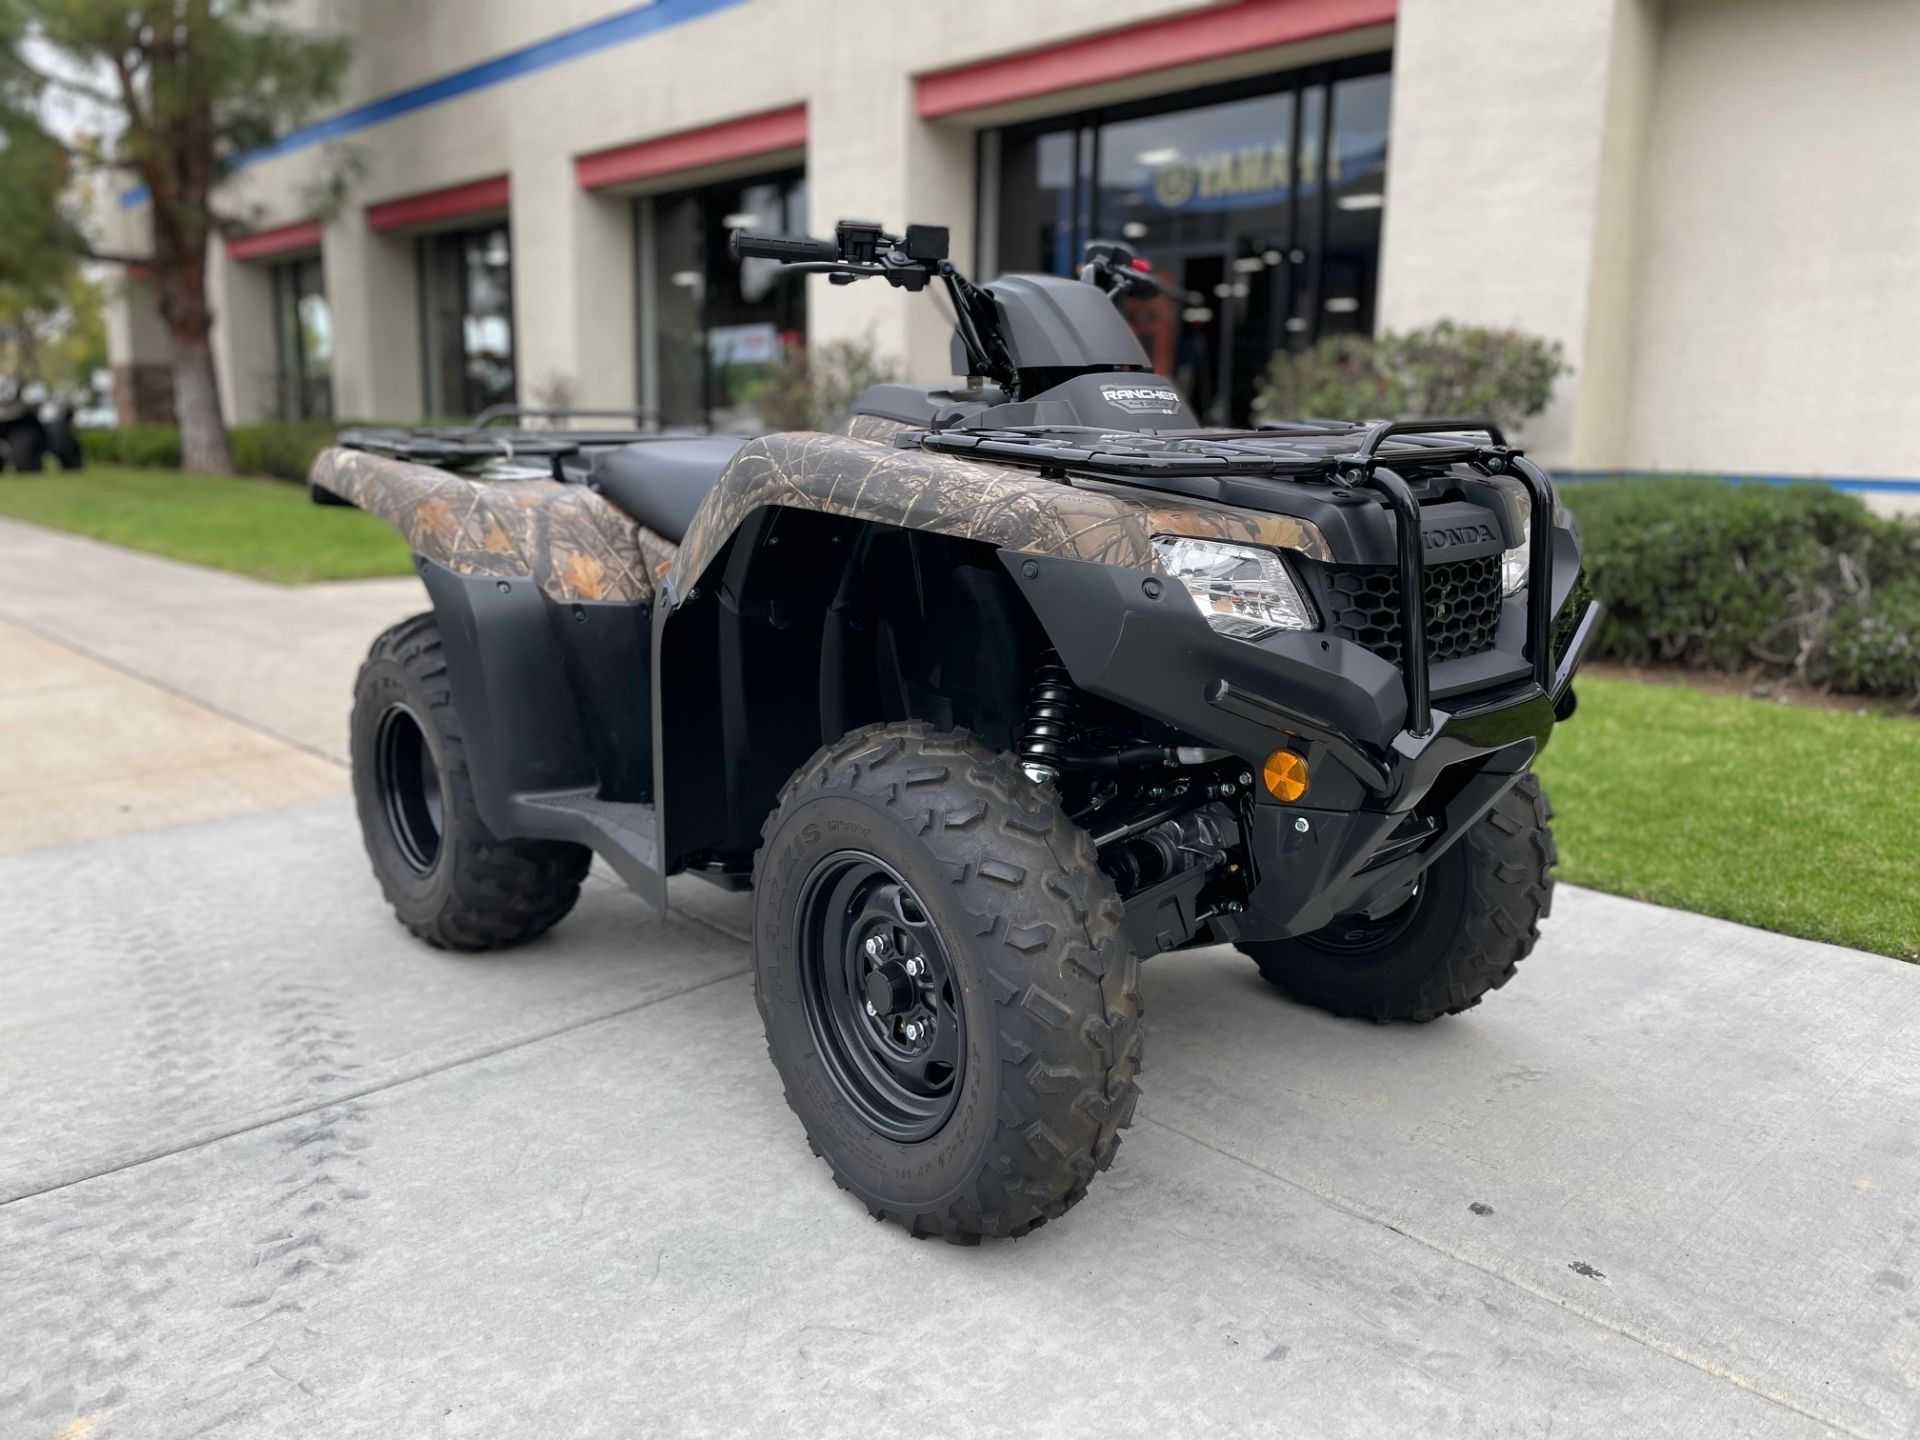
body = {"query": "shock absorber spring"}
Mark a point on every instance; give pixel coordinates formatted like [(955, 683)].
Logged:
[(1049, 728)]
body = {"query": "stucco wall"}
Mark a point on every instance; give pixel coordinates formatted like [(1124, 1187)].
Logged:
[(1777, 314), (1499, 171)]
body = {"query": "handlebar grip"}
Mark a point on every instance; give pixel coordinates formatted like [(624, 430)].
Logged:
[(784, 248)]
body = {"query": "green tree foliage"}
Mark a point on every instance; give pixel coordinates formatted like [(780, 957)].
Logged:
[(38, 242), (52, 330), (1444, 370), (187, 87)]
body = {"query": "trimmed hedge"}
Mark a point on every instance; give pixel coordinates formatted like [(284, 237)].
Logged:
[(156, 445), (283, 449), (1798, 580)]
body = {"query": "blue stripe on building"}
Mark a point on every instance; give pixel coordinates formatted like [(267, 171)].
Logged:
[(627, 25)]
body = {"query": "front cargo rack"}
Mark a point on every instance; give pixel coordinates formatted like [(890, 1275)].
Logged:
[(1367, 457), (1325, 451)]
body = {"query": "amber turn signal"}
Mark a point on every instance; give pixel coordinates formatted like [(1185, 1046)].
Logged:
[(1286, 776)]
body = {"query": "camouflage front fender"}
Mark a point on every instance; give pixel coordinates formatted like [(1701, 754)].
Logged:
[(574, 544), (862, 476)]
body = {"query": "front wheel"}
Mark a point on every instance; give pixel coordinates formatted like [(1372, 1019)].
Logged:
[(1473, 917), (947, 997)]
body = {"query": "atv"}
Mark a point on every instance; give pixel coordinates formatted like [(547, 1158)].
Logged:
[(989, 694)]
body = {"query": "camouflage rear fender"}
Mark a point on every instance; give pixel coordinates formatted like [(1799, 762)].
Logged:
[(861, 475), (575, 544)]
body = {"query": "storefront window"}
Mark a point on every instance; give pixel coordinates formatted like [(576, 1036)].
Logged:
[(1357, 188), (467, 280), (1235, 196), (304, 339), (712, 328)]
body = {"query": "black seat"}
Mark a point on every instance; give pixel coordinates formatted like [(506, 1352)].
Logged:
[(661, 482)]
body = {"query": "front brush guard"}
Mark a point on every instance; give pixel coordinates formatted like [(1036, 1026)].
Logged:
[(1376, 746)]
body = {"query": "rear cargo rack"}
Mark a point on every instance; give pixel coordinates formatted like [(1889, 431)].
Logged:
[(472, 447)]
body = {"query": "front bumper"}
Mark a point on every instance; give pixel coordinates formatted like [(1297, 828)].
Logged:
[(1397, 778)]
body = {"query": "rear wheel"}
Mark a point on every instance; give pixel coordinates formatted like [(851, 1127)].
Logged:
[(1473, 917), (451, 882), (946, 993)]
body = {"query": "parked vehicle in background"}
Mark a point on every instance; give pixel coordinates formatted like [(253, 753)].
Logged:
[(989, 694), (34, 426), (102, 416)]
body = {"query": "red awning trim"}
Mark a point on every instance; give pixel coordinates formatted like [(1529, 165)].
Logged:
[(1209, 34), (284, 240), (694, 149), (478, 197)]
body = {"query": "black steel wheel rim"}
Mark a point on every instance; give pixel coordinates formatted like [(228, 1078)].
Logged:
[(409, 784), (1362, 934), (882, 999)]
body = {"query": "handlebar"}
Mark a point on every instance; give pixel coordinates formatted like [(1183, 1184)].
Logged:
[(1112, 265), (785, 248), (1147, 283)]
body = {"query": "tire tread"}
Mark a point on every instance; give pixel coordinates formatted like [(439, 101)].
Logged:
[(502, 892), (1052, 921)]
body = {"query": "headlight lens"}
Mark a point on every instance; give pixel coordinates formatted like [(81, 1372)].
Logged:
[(1513, 563), (1244, 591)]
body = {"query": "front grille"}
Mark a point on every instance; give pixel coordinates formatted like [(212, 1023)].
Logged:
[(1463, 607)]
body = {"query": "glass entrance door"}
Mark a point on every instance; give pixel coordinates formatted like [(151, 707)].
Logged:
[(1236, 194), (1192, 341), (712, 329)]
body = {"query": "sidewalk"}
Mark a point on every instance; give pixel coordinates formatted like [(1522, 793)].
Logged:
[(268, 1167), (88, 751), (280, 658)]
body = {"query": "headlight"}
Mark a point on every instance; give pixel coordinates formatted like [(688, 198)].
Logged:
[(1243, 591), (1513, 563)]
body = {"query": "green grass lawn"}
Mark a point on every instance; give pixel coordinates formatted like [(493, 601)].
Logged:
[(1801, 820), (264, 528)]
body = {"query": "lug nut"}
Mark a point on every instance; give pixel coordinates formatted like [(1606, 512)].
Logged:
[(871, 1011), (913, 1032), (913, 965), (876, 947)]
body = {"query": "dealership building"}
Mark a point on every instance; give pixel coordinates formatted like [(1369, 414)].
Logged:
[(1713, 205)]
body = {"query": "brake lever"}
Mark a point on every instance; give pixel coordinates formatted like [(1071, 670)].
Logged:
[(845, 272)]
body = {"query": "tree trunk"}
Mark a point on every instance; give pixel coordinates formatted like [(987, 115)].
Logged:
[(196, 404), (180, 270)]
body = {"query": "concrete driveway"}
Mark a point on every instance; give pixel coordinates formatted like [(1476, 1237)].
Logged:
[(270, 1168)]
